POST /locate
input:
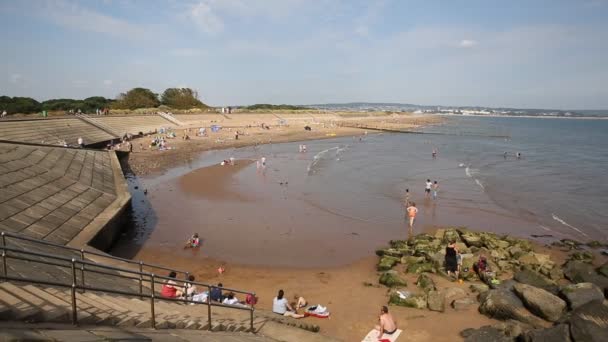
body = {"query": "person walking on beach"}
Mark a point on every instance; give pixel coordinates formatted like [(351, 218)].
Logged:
[(435, 188), (411, 214), (427, 188)]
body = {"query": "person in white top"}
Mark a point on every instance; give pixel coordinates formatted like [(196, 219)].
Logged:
[(427, 188), (281, 306), (230, 299)]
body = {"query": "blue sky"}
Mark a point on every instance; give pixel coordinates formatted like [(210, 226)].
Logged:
[(517, 53)]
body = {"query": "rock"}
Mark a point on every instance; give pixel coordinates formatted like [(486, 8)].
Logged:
[(436, 301), (463, 303), (585, 256), (504, 304), (452, 293), (515, 251), (530, 277), (386, 263), (557, 333), (570, 243), (438, 260), (414, 301), (392, 279), (439, 233), (472, 240), (603, 270), (409, 260), (577, 295), (556, 273), (485, 334), (425, 282), (534, 259), (462, 248), (512, 328), (421, 267), (541, 302), (399, 244), (451, 235), (391, 252), (595, 244), (589, 322), (582, 272), (479, 288)]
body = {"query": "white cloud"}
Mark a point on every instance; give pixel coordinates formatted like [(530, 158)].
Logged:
[(467, 43), (107, 83), (205, 18), (187, 52), (15, 78)]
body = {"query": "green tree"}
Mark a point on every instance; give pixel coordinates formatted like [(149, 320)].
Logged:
[(23, 105), (136, 98), (181, 98)]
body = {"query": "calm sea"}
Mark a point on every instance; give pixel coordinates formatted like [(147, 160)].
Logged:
[(344, 197)]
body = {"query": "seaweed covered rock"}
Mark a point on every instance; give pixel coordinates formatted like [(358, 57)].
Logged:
[(541, 302), (589, 322), (425, 283), (421, 267), (436, 301), (392, 279), (386, 263), (485, 334), (413, 301), (577, 295), (585, 256)]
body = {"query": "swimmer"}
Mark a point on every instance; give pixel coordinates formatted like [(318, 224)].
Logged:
[(435, 188), (263, 161), (434, 153), (518, 155)]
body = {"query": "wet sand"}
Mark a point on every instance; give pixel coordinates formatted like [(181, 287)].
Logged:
[(213, 182)]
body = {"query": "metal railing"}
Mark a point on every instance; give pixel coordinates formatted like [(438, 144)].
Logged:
[(77, 266)]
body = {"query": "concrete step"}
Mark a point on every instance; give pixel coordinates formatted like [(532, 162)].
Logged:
[(83, 316), (50, 313), (20, 310)]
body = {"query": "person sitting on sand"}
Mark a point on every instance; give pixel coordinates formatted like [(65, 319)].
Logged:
[(230, 299), (300, 302), (216, 293), (281, 306), (451, 259), (387, 325), (193, 242), (170, 288)]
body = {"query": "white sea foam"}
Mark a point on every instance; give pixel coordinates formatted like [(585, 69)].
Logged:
[(479, 183), (467, 171), (546, 228), (556, 218), (318, 157)]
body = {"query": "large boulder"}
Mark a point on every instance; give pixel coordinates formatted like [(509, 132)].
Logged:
[(530, 277), (485, 334), (541, 302), (504, 304), (414, 301), (577, 295), (589, 322), (535, 260), (585, 256), (391, 252), (386, 263), (557, 333), (451, 235), (392, 279), (452, 293), (463, 303), (512, 328), (425, 282), (582, 272), (436, 301), (479, 288), (472, 240)]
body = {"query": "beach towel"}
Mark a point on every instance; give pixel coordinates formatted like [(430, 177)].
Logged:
[(372, 336)]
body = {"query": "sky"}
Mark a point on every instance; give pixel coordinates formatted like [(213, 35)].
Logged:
[(517, 53)]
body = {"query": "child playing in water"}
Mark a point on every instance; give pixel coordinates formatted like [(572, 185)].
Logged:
[(193, 242), (411, 213), (435, 188)]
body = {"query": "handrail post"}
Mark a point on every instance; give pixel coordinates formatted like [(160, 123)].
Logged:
[(152, 302), (251, 315), (141, 278), (82, 269), (209, 306), (4, 268), (74, 314)]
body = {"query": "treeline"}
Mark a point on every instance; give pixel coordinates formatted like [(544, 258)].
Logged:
[(266, 106), (175, 98)]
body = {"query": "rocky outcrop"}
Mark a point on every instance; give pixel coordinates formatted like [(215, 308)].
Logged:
[(504, 304), (413, 301), (463, 303), (557, 333), (425, 282), (392, 279), (589, 322), (577, 295), (485, 334), (541, 302), (531, 277), (386, 263), (582, 272)]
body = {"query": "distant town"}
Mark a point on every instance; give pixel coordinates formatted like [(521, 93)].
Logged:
[(405, 107)]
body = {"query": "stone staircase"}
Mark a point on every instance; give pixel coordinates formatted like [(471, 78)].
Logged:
[(171, 118), (52, 131)]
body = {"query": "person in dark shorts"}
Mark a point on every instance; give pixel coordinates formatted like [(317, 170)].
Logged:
[(427, 187), (451, 259)]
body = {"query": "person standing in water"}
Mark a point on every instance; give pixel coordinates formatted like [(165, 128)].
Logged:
[(435, 188), (505, 155), (411, 214), (518, 155), (434, 153), (427, 187), (407, 198)]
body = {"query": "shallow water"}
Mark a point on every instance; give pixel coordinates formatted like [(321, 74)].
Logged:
[(344, 197)]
